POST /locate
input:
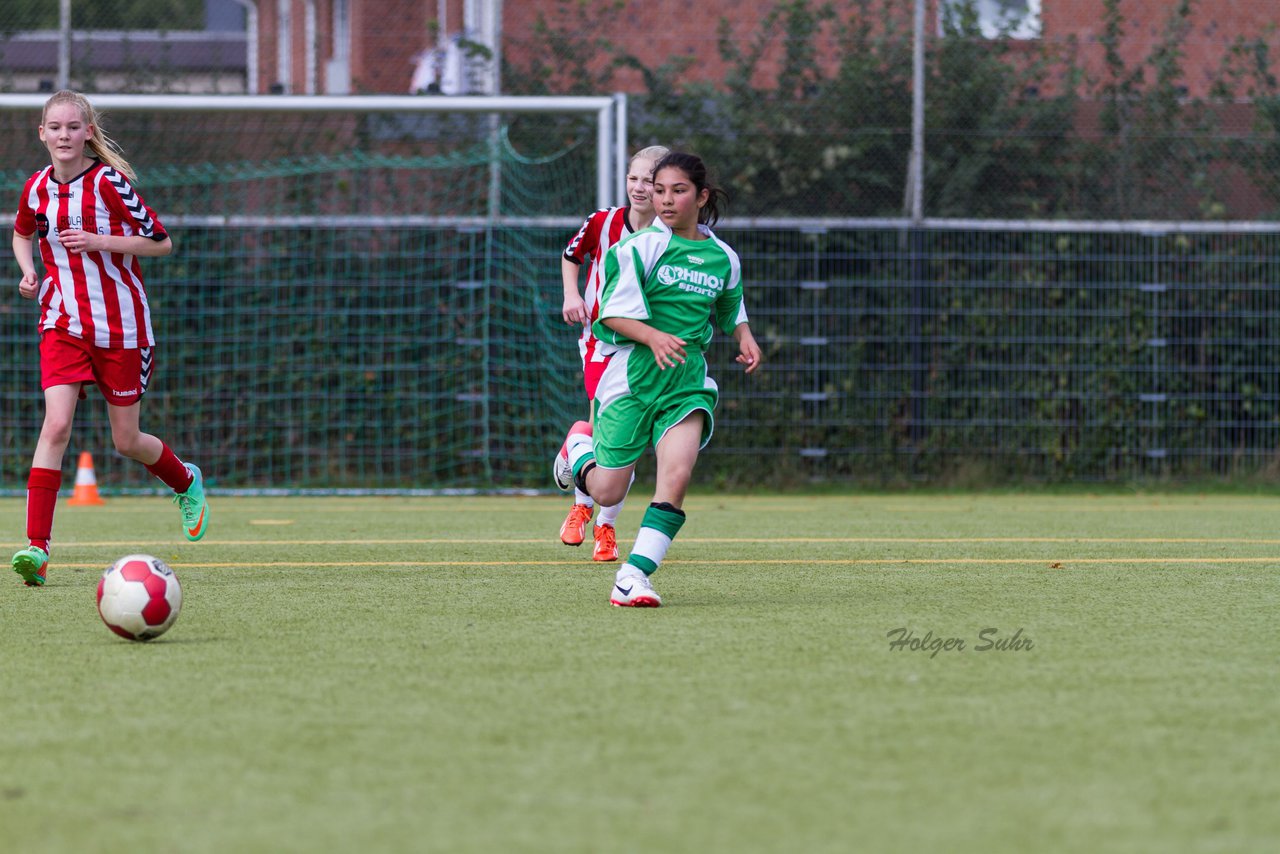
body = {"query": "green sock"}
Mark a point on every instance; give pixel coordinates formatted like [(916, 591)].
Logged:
[(658, 528)]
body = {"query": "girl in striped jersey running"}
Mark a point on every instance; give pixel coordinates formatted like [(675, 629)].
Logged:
[(95, 326), (602, 230), (666, 290)]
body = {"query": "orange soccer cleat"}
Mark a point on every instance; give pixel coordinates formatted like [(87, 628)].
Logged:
[(574, 529), (606, 544)]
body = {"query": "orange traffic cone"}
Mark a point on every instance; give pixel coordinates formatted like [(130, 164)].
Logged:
[(86, 491)]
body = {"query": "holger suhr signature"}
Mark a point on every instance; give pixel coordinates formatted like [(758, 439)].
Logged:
[(903, 639)]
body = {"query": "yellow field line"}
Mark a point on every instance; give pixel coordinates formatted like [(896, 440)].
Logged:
[(520, 505), (1269, 541), (1060, 563)]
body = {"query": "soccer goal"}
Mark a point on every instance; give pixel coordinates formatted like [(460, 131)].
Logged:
[(365, 291), (235, 139)]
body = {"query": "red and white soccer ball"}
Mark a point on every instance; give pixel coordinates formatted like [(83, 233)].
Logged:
[(139, 597)]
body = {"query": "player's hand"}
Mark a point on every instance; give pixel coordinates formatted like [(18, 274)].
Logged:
[(667, 349), (749, 352), (78, 241), (575, 311), (28, 287)]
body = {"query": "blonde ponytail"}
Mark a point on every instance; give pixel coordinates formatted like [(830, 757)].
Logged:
[(103, 147)]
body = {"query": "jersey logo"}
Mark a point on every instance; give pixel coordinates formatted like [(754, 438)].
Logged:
[(690, 281), (42, 225)]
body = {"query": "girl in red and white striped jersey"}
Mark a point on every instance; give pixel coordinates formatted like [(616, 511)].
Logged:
[(602, 230), (95, 325)]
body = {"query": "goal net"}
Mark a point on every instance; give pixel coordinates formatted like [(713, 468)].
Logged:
[(364, 293)]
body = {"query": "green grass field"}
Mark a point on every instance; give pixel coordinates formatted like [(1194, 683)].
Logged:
[(379, 674)]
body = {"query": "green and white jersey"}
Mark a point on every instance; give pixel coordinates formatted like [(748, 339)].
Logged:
[(673, 284)]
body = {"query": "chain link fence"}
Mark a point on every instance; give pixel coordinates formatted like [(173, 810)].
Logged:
[(1075, 109), (1091, 294)]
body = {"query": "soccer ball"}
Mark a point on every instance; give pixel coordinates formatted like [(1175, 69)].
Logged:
[(139, 597)]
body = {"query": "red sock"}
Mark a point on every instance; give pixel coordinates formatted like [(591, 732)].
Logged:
[(171, 470), (42, 495)]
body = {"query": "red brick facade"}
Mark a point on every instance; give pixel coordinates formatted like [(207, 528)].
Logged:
[(1215, 25), (386, 35)]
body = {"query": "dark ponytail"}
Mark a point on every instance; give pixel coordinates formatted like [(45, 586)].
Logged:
[(696, 171)]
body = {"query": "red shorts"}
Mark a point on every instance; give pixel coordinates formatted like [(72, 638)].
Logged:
[(591, 373), (593, 365), (121, 375)]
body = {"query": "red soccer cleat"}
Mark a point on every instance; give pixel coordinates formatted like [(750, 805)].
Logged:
[(574, 529), (606, 544)]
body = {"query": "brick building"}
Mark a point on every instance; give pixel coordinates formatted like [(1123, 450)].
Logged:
[(399, 46), (377, 46)]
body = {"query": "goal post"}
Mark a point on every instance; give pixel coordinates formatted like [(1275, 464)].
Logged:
[(346, 307), (607, 111)]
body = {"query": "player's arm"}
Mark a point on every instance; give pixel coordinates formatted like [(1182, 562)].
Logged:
[(667, 349), (731, 317), (624, 311), (28, 285), (150, 239), (78, 241), (580, 248), (575, 309), (749, 353)]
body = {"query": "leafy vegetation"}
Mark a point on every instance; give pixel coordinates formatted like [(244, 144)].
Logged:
[(1014, 128), (22, 15)]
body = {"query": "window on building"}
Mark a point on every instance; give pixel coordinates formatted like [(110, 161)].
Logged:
[(1015, 19), (284, 48), (342, 29), (337, 71)]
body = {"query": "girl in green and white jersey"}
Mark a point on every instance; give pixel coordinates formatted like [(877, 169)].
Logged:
[(666, 287)]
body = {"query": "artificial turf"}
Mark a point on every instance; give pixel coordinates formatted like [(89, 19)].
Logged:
[(440, 674)]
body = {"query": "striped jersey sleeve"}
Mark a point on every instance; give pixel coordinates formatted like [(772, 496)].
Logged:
[(25, 221), (122, 199), (582, 247)]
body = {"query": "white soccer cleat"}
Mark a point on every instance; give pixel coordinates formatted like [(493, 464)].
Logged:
[(561, 468), (634, 590)]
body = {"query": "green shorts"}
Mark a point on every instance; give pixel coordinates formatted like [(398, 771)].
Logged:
[(636, 404)]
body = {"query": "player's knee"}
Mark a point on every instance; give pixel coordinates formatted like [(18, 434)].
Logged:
[(128, 444), (56, 431), (606, 487), (674, 478), (610, 493), (580, 477)]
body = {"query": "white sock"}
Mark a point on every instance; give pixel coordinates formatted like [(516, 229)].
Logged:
[(609, 515), (628, 570), (580, 497), (578, 447), (651, 545)]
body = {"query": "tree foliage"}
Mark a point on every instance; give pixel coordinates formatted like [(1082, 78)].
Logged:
[(22, 15), (1014, 128)]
